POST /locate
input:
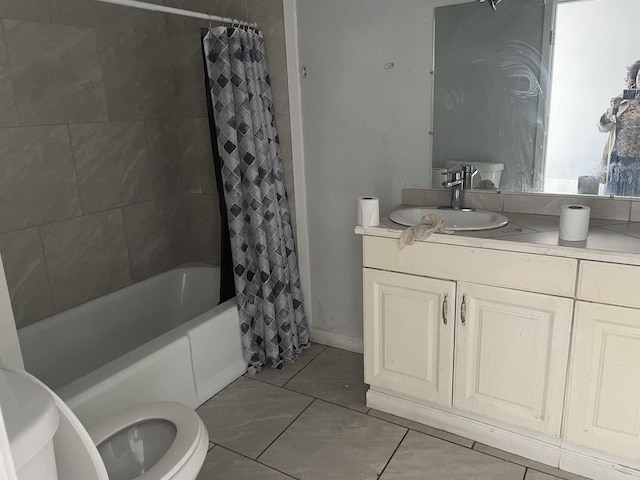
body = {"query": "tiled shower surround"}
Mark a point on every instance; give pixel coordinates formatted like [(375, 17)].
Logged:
[(106, 174)]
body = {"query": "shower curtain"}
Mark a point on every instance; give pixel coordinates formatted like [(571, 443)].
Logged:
[(265, 268)]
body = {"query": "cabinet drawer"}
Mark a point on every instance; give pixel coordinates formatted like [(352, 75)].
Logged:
[(520, 271), (609, 283)]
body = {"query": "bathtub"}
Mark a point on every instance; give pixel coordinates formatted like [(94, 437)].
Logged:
[(165, 338)]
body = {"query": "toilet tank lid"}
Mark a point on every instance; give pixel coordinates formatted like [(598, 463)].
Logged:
[(30, 415), (483, 166)]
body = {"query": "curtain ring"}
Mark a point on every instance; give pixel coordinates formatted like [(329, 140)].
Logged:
[(209, 20)]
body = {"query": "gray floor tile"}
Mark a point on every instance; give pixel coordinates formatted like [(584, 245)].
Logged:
[(280, 377), (222, 464), (335, 376), (426, 458), (328, 441), (248, 415), (526, 462), (434, 432)]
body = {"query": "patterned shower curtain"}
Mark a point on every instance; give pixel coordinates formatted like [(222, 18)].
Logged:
[(267, 280)]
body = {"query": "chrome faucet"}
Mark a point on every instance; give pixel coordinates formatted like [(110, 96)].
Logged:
[(460, 180)]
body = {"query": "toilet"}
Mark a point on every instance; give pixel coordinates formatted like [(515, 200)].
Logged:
[(153, 441)]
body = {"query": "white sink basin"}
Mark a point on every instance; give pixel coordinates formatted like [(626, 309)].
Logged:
[(453, 219)]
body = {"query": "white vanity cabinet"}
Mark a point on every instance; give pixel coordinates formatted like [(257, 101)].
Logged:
[(603, 402), (534, 353), (511, 346)]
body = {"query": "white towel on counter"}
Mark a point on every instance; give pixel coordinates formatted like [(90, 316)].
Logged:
[(431, 223)]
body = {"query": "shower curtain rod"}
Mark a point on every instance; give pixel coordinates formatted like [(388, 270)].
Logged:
[(178, 11)]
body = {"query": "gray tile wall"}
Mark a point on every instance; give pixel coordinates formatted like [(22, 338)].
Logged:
[(106, 175)]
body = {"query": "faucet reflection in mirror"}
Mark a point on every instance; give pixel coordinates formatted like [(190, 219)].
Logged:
[(516, 87)]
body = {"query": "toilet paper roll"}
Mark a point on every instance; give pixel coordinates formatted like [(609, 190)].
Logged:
[(368, 212), (574, 223)]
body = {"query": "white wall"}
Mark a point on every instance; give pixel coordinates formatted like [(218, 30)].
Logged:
[(363, 132)]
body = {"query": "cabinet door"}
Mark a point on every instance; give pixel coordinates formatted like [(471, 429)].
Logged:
[(603, 404), (408, 334), (511, 356)]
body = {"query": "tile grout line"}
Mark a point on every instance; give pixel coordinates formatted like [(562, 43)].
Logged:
[(303, 368), (284, 386), (394, 452), (321, 399), (46, 267), (286, 428), (219, 392), (255, 460), (255, 377), (424, 433), (559, 474), (331, 403)]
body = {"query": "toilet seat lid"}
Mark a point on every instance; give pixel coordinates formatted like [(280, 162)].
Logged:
[(189, 430)]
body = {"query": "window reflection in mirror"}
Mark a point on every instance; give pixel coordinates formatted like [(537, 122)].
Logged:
[(496, 100)]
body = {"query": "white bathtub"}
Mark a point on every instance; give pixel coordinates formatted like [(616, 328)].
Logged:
[(164, 338)]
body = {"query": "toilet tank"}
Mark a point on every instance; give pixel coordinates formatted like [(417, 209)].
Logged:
[(486, 170), (31, 420)]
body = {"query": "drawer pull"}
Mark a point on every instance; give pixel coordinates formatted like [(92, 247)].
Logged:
[(445, 308), (463, 310)]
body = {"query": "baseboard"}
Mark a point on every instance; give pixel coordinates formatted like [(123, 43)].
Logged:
[(338, 341), (600, 467), (549, 451), (516, 443)]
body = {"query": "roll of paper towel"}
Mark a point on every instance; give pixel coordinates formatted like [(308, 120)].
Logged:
[(574, 223), (368, 212)]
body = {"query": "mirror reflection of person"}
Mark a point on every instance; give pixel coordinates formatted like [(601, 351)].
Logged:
[(620, 168)]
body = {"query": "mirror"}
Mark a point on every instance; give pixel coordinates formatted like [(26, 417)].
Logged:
[(526, 85)]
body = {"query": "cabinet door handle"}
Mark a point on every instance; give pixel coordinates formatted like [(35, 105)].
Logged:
[(463, 310), (445, 308)]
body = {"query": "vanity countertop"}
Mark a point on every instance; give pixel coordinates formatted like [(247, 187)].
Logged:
[(609, 240)]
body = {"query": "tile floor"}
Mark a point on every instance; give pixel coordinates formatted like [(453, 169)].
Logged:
[(309, 421)]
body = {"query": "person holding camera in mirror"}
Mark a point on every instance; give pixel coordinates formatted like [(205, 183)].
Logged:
[(620, 167)]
